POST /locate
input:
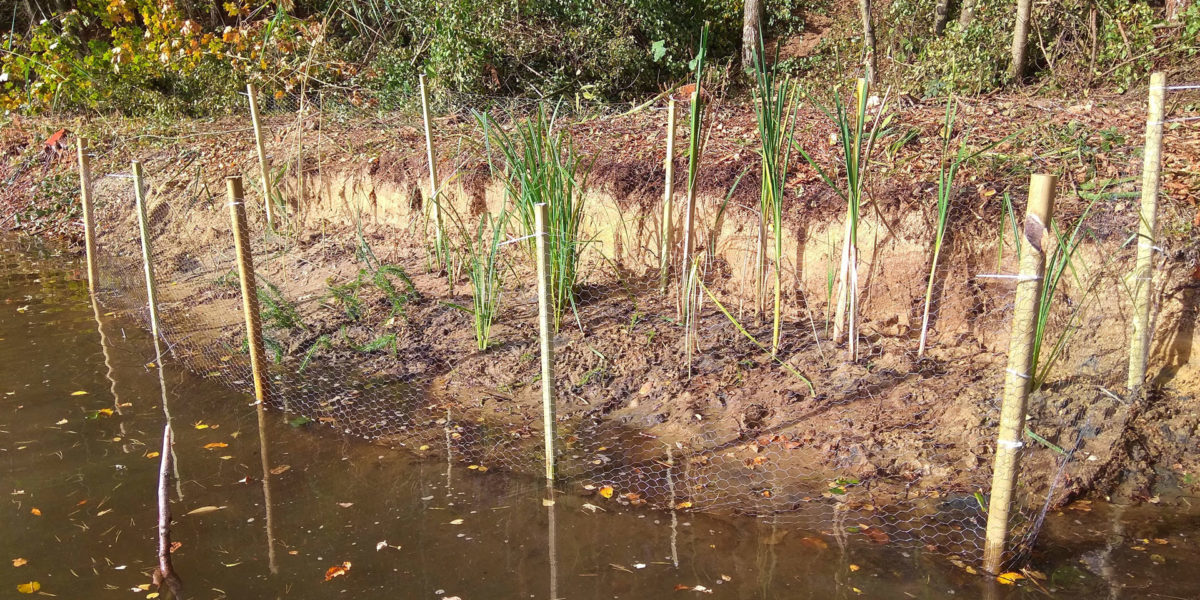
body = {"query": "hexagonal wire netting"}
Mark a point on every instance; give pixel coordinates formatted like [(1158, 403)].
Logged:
[(671, 391)]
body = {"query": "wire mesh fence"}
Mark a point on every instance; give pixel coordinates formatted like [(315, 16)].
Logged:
[(674, 392)]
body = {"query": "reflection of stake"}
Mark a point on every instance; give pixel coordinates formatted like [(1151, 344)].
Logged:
[(165, 573), (552, 541), (266, 481)]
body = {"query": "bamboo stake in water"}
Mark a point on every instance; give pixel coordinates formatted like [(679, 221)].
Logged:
[(262, 154), (545, 310), (89, 223), (245, 262), (1038, 237), (668, 193), (147, 253), (436, 211), (1143, 272)]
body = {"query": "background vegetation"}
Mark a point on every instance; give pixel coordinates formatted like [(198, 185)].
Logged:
[(191, 57)]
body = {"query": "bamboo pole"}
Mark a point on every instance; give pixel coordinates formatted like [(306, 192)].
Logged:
[(1037, 238), (1143, 272), (245, 262), (89, 222), (689, 212), (252, 93), (147, 252), (668, 193), (541, 219), (430, 154)]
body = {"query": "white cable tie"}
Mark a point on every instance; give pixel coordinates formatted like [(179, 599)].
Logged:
[(1010, 444), (515, 240), (1021, 375), (1175, 88), (1014, 277), (234, 203), (1182, 119)]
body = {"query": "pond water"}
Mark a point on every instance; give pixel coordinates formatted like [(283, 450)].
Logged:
[(79, 479)]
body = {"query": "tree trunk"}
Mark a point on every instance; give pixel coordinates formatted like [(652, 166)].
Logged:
[(868, 40), (941, 14), (966, 14), (1175, 8), (1020, 44), (751, 25)]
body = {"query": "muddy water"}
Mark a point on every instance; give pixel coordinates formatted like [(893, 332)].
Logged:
[(79, 501)]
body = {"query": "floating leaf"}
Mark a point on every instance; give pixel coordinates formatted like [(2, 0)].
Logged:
[(212, 445), (345, 504), (204, 510), (684, 504), (381, 545), (62, 422), (29, 588), (299, 421), (201, 425), (79, 393), (456, 522), (35, 512), (854, 567), (281, 469), (337, 570), (1009, 578), (151, 455), (606, 491), (19, 562)]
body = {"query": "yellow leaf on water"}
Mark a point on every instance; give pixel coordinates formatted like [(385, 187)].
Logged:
[(853, 568), (79, 393), (212, 445), (201, 425), (684, 504), (35, 512), (151, 455), (423, 447), (19, 562), (1009, 578), (606, 491), (204, 510), (29, 588), (108, 412), (151, 595), (280, 469)]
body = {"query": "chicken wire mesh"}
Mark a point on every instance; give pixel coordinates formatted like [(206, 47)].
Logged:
[(671, 392)]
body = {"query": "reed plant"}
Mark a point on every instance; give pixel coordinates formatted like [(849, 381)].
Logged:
[(947, 172), (1061, 262), (857, 141), (543, 167), (695, 131), (775, 106), (482, 249)]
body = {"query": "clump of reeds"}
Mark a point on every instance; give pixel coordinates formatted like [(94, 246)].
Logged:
[(857, 141), (543, 167)]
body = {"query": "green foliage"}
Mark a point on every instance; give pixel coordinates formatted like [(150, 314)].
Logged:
[(277, 311)]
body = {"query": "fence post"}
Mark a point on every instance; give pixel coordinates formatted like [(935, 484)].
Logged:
[(1037, 238), (668, 193), (89, 223), (147, 252), (545, 310), (245, 263), (689, 211), (262, 154), (433, 178), (1143, 271)]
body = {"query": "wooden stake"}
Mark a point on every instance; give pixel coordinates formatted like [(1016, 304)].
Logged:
[(689, 211), (89, 223), (436, 211), (541, 218), (262, 154), (147, 253), (245, 262), (668, 193), (1037, 238), (1143, 272)]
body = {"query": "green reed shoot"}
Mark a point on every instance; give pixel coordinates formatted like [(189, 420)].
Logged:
[(485, 271), (543, 167), (1059, 263), (945, 194), (776, 110), (857, 142), (695, 127)]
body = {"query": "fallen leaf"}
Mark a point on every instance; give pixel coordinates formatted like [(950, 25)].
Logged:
[(201, 425), (1009, 578), (876, 535), (212, 445), (381, 545), (684, 504), (19, 562), (29, 588), (606, 491), (456, 522), (345, 504), (204, 510), (814, 542), (35, 511), (62, 422), (547, 502), (853, 567), (280, 469), (79, 393), (424, 447), (151, 455), (337, 570)]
